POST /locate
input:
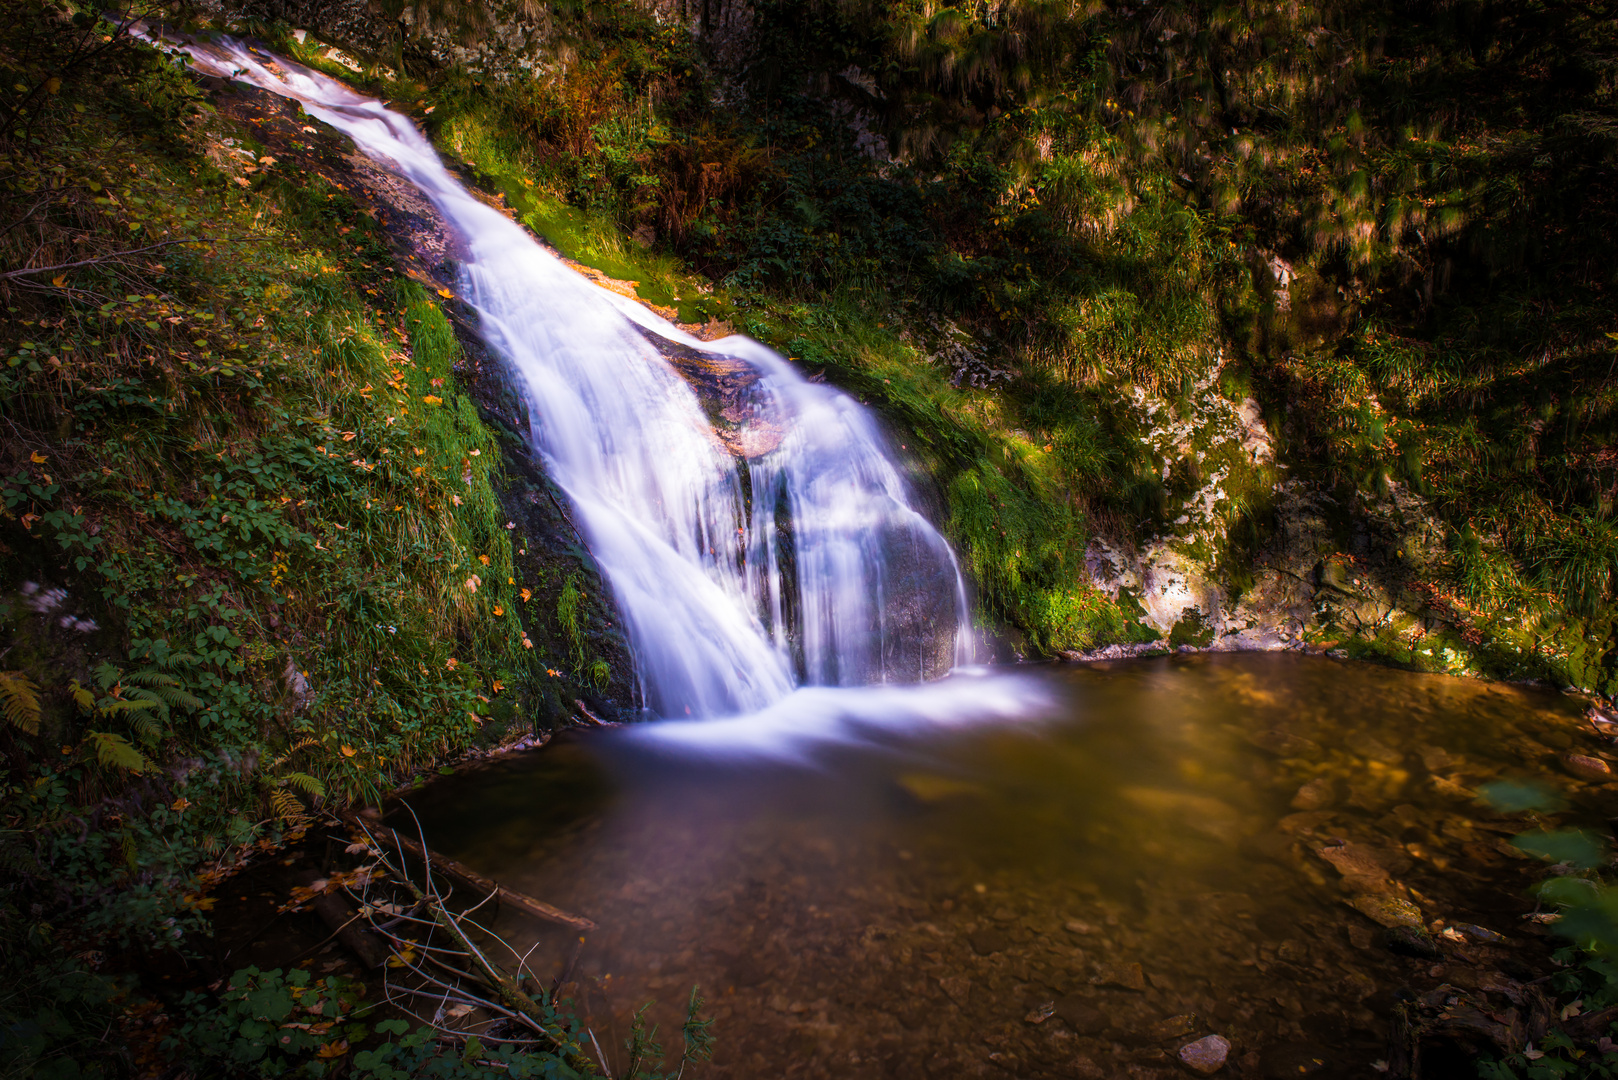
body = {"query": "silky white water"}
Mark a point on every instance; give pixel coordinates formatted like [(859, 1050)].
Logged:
[(799, 560)]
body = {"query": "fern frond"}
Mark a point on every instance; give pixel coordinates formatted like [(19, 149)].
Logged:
[(84, 699), (149, 677), (305, 783), (148, 727), (19, 701), (163, 686), (123, 705), (115, 751), (17, 861), (176, 697), (301, 744), (288, 808)]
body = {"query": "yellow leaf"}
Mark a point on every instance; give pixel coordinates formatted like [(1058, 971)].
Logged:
[(446, 294), (433, 399), (59, 280), (37, 458), (452, 663), (484, 559), (242, 180), (498, 686), (349, 751), (498, 610), (333, 1049), (526, 594), (179, 805)]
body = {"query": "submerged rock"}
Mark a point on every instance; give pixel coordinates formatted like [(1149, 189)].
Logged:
[(1173, 1027), (1083, 1017), (1317, 794), (1207, 1055), (1386, 911), (1120, 977), (1587, 768), (1411, 941), (957, 987)]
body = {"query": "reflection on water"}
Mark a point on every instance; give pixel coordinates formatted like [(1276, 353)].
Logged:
[(1173, 855)]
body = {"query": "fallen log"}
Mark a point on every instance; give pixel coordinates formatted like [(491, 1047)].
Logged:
[(371, 824)]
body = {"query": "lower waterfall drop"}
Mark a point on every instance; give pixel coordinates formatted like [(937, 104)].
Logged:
[(780, 551)]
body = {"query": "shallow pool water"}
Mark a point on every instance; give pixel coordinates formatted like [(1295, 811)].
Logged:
[(1170, 849)]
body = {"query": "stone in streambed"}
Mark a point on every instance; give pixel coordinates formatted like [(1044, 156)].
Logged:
[(988, 941), (957, 987), (1083, 1017), (1170, 1028), (1413, 941), (1207, 1055), (1317, 794), (1120, 977), (1386, 911), (1587, 768)]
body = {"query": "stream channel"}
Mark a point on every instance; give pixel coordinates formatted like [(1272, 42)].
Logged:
[(1170, 848)]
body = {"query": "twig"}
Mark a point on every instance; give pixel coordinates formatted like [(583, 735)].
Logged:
[(132, 251), (599, 1055), (472, 879)]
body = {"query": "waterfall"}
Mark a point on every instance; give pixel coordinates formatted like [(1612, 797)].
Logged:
[(776, 551)]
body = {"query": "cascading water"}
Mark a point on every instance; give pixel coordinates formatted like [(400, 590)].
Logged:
[(785, 553)]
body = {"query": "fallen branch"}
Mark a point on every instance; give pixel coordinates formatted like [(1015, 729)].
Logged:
[(471, 878)]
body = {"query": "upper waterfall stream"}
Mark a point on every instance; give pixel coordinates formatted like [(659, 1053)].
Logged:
[(740, 576)]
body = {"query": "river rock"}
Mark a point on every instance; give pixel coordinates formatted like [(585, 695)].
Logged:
[(1120, 976), (988, 941), (1173, 1027), (1083, 1017), (1412, 941), (1040, 1013), (1317, 794), (1207, 1055), (1587, 768), (1386, 911), (1283, 743), (958, 987), (1361, 870)]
